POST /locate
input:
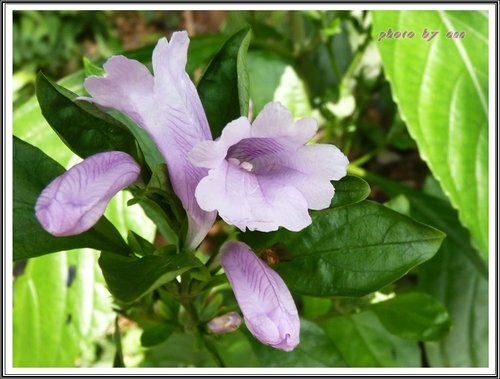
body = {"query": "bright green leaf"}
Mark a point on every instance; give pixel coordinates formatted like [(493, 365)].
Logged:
[(441, 87), (33, 170), (416, 316), (364, 342), (223, 89), (60, 308), (129, 278)]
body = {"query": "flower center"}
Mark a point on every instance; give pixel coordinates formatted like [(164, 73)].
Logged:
[(255, 155)]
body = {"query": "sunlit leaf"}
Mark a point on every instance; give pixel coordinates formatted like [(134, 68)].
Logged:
[(441, 87), (60, 308)]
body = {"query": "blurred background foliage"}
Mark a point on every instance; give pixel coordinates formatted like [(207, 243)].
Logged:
[(319, 63)]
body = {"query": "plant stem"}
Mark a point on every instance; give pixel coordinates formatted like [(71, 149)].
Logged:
[(213, 351)]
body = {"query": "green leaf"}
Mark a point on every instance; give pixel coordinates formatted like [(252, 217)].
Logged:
[(59, 311), (353, 250), (90, 68), (456, 276), (33, 170), (223, 89), (156, 334), (364, 342), (416, 316), (314, 350), (441, 88), (349, 190), (84, 128), (274, 79), (129, 278), (458, 284)]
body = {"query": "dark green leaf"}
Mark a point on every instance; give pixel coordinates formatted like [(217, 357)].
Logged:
[(456, 276), (156, 334), (139, 245), (84, 128), (364, 342), (129, 278), (441, 87), (152, 155), (416, 316), (353, 250), (314, 350), (33, 170), (223, 89), (349, 190)]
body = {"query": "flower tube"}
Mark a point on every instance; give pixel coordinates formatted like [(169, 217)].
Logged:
[(168, 107)]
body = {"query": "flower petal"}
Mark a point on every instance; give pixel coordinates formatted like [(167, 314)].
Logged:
[(264, 299), (73, 202), (251, 201), (127, 87), (310, 170), (210, 154), (274, 120), (169, 109)]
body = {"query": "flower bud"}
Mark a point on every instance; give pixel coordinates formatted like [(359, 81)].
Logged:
[(226, 323)]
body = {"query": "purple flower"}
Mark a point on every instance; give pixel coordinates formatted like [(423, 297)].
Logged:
[(73, 202), (167, 106), (264, 299), (263, 176)]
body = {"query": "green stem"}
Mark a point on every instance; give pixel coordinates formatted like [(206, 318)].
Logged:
[(213, 351), (185, 299)]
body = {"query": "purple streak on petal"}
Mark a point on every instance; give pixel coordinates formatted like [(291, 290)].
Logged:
[(264, 299), (169, 109), (73, 202)]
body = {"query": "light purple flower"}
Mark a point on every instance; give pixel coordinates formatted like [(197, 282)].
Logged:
[(167, 106), (74, 201), (263, 176), (264, 299)]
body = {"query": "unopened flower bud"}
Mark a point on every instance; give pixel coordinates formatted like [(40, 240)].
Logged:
[(225, 324)]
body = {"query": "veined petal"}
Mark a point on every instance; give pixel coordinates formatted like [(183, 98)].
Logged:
[(310, 169), (252, 202), (73, 202), (127, 87), (169, 109), (274, 120), (264, 299)]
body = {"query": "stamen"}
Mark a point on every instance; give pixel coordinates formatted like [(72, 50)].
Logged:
[(247, 166)]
